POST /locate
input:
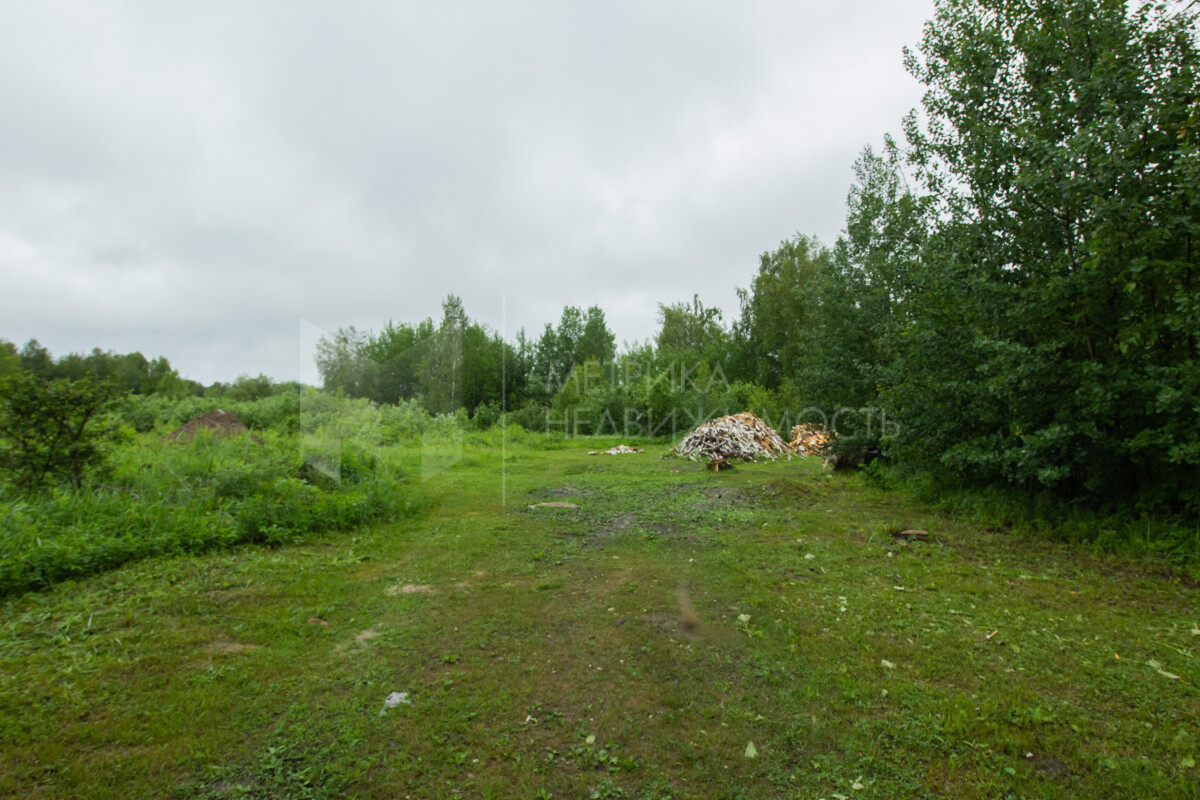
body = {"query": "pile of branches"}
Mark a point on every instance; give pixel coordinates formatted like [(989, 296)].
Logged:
[(738, 436), (809, 439)]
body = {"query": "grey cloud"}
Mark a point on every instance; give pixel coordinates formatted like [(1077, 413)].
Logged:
[(198, 181)]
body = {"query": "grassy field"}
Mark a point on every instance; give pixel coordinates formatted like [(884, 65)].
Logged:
[(549, 652)]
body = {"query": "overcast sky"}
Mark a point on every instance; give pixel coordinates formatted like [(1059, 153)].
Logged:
[(221, 182)]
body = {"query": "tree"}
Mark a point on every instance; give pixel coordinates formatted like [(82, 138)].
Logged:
[(443, 376), (36, 359), (342, 362), (597, 342), (10, 359), (1054, 333), (559, 349), (246, 388), (868, 293), (397, 351), (54, 428), (777, 333), (691, 331)]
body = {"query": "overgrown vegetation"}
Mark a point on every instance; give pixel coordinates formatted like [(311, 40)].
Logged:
[(1012, 311), (54, 429), (634, 646), (320, 468)]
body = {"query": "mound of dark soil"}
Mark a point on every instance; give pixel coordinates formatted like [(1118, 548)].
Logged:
[(223, 424)]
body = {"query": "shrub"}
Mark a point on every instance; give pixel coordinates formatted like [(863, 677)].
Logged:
[(486, 415), (54, 429), (531, 417)]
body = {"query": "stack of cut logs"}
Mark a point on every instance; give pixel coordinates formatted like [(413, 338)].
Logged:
[(738, 436), (809, 439)]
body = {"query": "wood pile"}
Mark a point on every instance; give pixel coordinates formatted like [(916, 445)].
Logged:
[(809, 439), (738, 436)]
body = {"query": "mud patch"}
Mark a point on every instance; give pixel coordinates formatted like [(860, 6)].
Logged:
[(366, 636), (555, 504), (624, 522), (718, 497), (677, 534), (1051, 767)]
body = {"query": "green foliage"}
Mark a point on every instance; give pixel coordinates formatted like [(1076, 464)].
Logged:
[(597, 342), (54, 429), (288, 410), (131, 373), (777, 337), (342, 363), (692, 331), (1053, 335), (868, 292), (166, 497), (455, 364), (577, 340), (531, 416), (404, 422), (247, 388), (10, 359), (486, 415)]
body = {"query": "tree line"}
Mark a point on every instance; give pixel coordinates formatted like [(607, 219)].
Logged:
[(129, 373)]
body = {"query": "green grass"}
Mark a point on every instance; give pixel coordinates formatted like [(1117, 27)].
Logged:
[(545, 653), (166, 497)]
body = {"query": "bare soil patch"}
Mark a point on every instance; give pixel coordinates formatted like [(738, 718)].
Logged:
[(408, 588), (223, 424)]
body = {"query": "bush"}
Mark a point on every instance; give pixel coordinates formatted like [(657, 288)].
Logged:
[(54, 429), (532, 417), (486, 415), (403, 422)]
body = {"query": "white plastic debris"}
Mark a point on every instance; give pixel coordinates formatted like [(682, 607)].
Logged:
[(619, 450), (394, 699)]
